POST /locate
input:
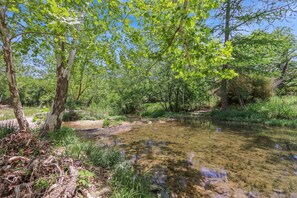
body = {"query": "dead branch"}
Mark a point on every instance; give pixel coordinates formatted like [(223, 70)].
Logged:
[(18, 158)]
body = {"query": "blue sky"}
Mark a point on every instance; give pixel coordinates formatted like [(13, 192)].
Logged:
[(290, 20)]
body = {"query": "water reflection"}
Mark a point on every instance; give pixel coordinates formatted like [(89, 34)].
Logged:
[(188, 156)]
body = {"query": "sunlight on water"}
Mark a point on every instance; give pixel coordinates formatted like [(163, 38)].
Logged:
[(198, 158)]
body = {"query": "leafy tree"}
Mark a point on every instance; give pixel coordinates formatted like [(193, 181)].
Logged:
[(265, 54), (6, 37), (234, 16), (174, 30)]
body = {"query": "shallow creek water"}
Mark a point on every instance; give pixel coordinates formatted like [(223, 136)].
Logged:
[(199, 158)]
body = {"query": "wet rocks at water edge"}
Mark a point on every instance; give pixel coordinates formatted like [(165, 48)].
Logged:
[(159, 184), (215, 183), (208, 173)]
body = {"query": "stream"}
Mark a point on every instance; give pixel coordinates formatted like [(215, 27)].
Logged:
[(199, 158)]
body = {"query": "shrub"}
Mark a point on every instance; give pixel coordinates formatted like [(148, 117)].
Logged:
[(247, 89), (71, 116)]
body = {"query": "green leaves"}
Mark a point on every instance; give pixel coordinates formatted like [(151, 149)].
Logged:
[(174, 30), (262, 52)]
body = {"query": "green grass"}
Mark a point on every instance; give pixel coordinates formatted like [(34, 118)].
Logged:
[(278, 111), (7, 128), (155, 110), (8, 113), (124, 181)]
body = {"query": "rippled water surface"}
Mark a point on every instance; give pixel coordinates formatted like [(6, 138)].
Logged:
[(198, 158)]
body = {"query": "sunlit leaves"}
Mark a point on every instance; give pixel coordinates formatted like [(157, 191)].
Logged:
[(174, 30), (262, 52)]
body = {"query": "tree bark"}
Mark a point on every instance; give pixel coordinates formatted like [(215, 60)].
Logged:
[(11, 75), (177, 100), (224, 82), (54, 119)]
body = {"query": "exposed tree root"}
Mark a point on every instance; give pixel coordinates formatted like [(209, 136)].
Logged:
[(28, 170)]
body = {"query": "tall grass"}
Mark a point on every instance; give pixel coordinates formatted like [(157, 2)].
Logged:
[(124, 181), (277, 111), (7, 128)]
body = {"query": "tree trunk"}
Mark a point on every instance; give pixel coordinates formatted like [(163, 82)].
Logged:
[(170, 100), (224, 94), (54, 119), (224, 82), (11, 75), (82, 71), (177, 100)]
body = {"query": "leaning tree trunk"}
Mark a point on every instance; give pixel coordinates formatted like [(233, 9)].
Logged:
[(54, 119), (224, 86), (11, 75)]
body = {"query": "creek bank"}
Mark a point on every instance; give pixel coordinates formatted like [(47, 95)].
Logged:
[(94, 129), (277, 111)]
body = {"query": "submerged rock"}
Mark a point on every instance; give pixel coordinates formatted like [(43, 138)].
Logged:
[(208, 173)]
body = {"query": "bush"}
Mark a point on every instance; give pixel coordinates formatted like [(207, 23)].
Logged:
[(246, 89), (71, 116)]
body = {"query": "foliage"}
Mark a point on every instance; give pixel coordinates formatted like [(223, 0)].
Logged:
[(129, 183), (263, 53), (177, 34), (124, 180), (106, 123), (71, 116), (41, 183), (247, 89), (106, 158), (153, 110), (84, 177), (277, 111)]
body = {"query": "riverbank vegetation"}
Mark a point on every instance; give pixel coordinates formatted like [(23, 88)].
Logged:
[(109, 60), (276, 111), (65, 150)]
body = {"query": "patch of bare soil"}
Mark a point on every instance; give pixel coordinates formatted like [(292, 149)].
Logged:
[(28, 168)]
